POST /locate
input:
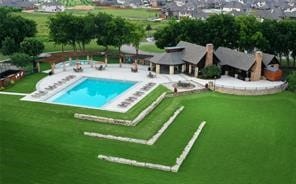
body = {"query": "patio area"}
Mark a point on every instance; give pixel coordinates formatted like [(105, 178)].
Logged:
[(65, 77)]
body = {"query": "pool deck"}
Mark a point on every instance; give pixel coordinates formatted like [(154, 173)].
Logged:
[(113, 71)]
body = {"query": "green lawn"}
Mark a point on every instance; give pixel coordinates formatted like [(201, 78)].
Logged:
[(137, 16), (75, 2), (26, 85), (129, 13), (247, 140), (150, 48)]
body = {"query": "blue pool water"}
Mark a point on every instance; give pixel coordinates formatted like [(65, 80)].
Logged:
[(92, 92)]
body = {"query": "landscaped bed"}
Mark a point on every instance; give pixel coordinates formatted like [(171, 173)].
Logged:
[(246, 140)]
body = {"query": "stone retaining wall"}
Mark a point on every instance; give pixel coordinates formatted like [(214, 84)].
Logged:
[(186, 92), (150, 141), (174, 168), (250, 91), (134, 122)]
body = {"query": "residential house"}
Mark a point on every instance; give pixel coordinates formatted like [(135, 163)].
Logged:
[(52, 7)]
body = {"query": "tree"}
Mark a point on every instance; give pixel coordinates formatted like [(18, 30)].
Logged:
[(15, 27), (104, 31), (259, 41), (193, 31), (32, 47), (283, 39), (268, 28), (21, 59), (222, 31), (122, 34), (57, 29), (292, 81), (87, 30), (248, 32), (168, 35), (67, 29), (8, 46), (148, 29), (137, 34)]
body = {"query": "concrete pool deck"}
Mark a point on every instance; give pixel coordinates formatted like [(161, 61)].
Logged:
[(113, 71)]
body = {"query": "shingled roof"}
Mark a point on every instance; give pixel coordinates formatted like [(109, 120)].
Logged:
[(235, 58), (168, 58), (193, 53), (267, 58), (240, 60)]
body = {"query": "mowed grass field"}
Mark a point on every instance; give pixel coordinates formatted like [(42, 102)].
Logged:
[(247, 140), (137, 16)]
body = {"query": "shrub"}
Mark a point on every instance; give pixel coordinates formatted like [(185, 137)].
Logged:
[(292, 81), (211, 71), (21, 59)]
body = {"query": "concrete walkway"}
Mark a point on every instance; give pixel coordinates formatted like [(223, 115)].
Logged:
[(13, 93)]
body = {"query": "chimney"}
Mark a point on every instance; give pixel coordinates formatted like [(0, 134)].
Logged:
[(209, 54), (256, 69)]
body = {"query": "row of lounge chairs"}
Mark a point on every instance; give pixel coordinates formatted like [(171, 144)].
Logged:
[(39, 94), (78, 69), (100, 68), (148, 86), (128, 101)]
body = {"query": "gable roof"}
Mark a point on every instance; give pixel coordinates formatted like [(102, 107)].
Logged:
[(168, 58), (267, 58), (193, 53), (235, 58)]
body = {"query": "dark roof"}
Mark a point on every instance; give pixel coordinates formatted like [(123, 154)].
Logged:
[(267, 58), (54, 3), (193, 53), (17, 4), (274, 14), (171, 58), (188, 52), (235, 58)]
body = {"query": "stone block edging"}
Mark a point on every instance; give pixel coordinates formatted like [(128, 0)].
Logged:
[(251, 91), (175, 168), (133, 122), (150, 141)]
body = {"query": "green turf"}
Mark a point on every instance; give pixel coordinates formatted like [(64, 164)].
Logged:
[(137, 16), (75, 2), (129, 13), (25, 85), (247, 140), (150, 48)]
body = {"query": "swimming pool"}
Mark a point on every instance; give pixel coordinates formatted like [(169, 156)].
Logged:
[(91, 92)]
